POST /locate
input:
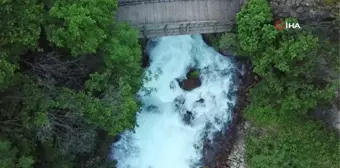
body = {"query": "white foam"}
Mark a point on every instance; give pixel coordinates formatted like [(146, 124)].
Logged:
[(162, 139)]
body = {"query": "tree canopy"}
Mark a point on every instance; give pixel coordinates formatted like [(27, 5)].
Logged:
[(68, 77), (287, 62)]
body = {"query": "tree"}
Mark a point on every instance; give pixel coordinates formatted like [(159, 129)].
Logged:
[(8, 157), (20, 30), (121, 78), (80, 26), (20, 26), (286, 61), (253, 26), (53, 105)]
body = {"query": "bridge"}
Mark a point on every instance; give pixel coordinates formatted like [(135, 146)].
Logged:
[(176, 17)]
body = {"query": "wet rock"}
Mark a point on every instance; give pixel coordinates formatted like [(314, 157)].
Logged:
[(190, 84), (172, 85), (200, 100), (192, 80), (151, 108), (231, 154), (230, 104), (208, 154), (145, 56), (188, 117), (145, 60), (240, 68), (211, 38), (179, 101)]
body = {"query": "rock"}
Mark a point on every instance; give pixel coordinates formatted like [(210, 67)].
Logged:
[(299, 9), (192, 80), (200, 100), (303, 10), (330, 115), (247, 125), (188, 117), (336, 125), (145, 56), (228, 146), (145, 60), (235, 159), (190, 84), (211, 38)]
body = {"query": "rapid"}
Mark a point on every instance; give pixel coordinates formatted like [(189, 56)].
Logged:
[(173, 124)]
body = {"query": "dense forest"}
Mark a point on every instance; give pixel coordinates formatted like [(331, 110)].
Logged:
[(69, 73), (68, 78), (291, 85)]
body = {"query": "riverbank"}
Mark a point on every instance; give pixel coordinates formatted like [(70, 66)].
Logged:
[(233, 154), (269, 142)]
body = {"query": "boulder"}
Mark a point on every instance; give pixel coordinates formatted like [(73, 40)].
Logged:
[(190, 84), (192, 81), (303, 10)]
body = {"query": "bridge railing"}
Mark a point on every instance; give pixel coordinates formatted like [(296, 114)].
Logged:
[(132, 2), (180, 28)]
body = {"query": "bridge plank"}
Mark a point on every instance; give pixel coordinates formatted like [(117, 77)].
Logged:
[(177, 14)]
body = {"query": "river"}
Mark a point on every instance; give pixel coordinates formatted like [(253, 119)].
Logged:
[(174, 124)]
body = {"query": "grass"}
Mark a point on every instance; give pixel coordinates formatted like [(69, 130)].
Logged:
[(193, 74)]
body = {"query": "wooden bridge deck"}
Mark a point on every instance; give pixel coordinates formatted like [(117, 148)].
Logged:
[(174, 17)]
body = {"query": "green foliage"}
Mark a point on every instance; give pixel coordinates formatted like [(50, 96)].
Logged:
[(329, 52), (123, 50), (41, 119), (53, 105), (114, 113), (288, 63), (252, 26), (301, 145), (20, 26), (7, 70), (82, 25), (193, 74), (229, 42), (121, 56), (8, 157), (286, 91), (20, 30), (285, 101), (291, 55), (25, 162), (331, 2)]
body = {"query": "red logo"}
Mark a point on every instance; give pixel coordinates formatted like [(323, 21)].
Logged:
[(279, 25)]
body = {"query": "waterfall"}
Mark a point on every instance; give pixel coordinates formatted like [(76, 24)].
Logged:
[(174, 124)]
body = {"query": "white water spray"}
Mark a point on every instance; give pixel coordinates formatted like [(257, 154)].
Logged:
[(163, 139)]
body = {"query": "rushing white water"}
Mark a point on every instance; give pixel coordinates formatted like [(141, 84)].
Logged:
[(163, 139)]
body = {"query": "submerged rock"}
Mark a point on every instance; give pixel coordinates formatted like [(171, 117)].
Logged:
[(188, 117)]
